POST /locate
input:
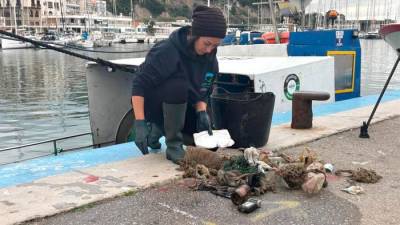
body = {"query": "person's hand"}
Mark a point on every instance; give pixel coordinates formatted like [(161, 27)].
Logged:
[(141, 134), (203, 122)]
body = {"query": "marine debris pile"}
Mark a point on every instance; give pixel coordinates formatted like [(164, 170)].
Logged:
[(241, 177)]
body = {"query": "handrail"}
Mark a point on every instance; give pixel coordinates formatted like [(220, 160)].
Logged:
[(56, 150), (44, 142)]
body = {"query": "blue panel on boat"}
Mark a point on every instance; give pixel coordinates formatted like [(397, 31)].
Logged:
[(336, 43)]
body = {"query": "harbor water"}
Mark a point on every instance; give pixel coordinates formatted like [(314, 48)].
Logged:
[(43, 93)]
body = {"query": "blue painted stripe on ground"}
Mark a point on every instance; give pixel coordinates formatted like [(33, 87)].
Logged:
[(326, 109), (34, 169), (28, 171)]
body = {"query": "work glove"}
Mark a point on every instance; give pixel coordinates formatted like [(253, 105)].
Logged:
[(203, 122), (141, 134)]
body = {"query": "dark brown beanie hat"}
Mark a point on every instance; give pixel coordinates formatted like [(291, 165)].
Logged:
[(208, 22)]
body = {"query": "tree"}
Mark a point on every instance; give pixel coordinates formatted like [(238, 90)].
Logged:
[(154, 6)]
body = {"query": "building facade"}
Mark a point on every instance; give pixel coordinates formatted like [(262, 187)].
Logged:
[(20, 14), (59, 15)]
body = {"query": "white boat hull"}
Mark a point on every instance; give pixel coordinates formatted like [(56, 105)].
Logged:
[(391, 34), (83, 44), (11, 44)]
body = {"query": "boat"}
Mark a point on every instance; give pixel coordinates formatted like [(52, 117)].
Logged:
[(372, 35), (391, 34), (10, 43), (55, 40), (83, 42), (100, 39), (310, 61)]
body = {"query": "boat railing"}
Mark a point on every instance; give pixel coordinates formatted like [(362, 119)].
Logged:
[(56, 149)]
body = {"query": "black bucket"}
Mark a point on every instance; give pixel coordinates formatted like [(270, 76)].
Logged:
[(247, 116)]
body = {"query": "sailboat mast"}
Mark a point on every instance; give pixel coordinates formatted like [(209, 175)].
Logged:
[(272, 11), (62, 16), (373, 15), (15, 18), (133, 16), (228, 12)]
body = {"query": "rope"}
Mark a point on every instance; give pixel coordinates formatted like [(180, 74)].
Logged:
[(7, 38), (99, 51), (100, 61)]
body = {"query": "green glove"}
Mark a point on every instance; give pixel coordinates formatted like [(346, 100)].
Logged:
[(141, 134), (203, 122)]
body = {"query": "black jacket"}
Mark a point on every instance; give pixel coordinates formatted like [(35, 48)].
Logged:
[(176, 57)]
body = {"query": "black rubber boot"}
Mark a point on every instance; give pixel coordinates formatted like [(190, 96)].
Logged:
[(174, 120), (154, 137)]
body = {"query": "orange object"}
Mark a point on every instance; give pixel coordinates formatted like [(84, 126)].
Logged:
[(333, 13), (284, 37), (269, 37)]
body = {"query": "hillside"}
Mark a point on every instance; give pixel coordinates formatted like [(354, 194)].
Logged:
[(169, 10)]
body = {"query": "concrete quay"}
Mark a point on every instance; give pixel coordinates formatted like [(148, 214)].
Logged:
[(331, 137)]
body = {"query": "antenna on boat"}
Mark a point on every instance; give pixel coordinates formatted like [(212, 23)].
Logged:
[(364, 127)]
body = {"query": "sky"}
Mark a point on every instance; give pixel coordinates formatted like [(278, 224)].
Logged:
[(368, 9)]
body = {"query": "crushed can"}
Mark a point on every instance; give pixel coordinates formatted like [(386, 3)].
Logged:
[(250, 205), (241, 194)]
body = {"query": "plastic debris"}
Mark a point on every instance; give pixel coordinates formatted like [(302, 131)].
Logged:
[(263, 167), (194, 156), (328, 167), (276, 160), (361, 175), (287, 158), (239, 163), (308, 156), (250, 205), (266, 182), (360, 163), (91, 178), (251, 155), (354, 190), (381, 152), (202, 172), (313, 182), (315, 166), (241, 194), (293, 174), (220, 138), (218, 190)]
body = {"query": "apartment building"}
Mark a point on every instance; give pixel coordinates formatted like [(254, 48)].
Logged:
[(60, 15)]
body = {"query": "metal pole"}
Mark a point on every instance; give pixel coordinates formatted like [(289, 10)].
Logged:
[(271, 8), (208, 3), (364, 127), (62, 16), (133, 15), (248, 18), (229, 9), (303, 17)]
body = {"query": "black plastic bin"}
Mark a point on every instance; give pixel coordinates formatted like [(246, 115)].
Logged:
[(247, 116)]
